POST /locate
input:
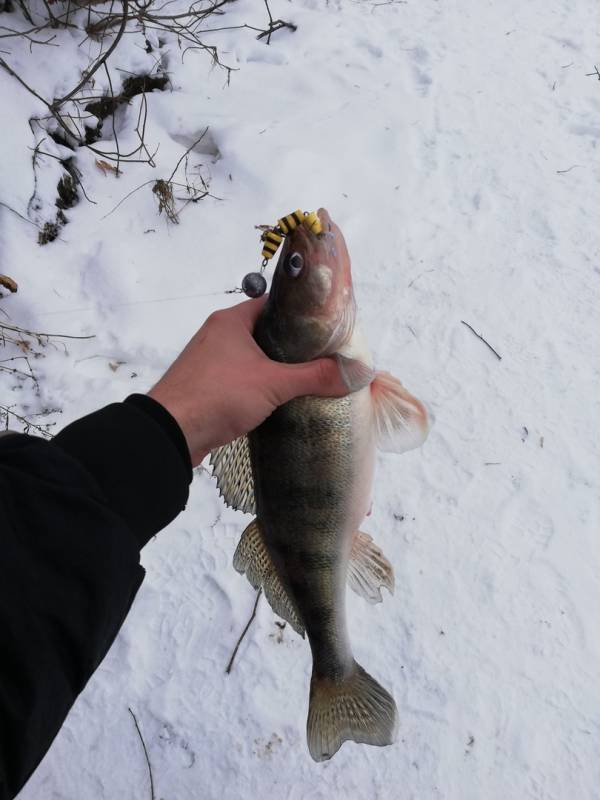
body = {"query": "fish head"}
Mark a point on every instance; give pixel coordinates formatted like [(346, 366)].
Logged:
[(310, 310)]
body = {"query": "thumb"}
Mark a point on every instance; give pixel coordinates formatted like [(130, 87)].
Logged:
[(322, 378)]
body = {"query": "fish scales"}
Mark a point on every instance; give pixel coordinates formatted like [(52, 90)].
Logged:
[(303, 512)]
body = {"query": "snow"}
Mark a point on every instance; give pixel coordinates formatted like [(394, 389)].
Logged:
[(456, 147)]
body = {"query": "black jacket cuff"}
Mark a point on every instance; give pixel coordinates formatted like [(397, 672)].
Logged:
[(167, 422), (137, 454)]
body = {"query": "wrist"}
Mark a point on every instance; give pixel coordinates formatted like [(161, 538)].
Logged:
[(177, 410)]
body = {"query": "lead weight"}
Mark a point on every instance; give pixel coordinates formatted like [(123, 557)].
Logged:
[(254, 284)]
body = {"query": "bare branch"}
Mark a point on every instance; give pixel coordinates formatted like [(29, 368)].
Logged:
[(190, 148), (133, 191), (244, 632), (498, 356), (137, 727), (4, 205), (18, 329), (98, 63), (7, 412)]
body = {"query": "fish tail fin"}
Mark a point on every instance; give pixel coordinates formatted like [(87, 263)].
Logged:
[(356, 709)]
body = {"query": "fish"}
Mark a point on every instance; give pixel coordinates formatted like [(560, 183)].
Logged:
[(306, 473)]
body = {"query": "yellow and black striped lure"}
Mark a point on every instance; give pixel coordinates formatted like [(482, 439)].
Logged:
[(254, 284), (273, 237)]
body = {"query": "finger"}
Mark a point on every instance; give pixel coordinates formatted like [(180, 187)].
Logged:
[(249, 311), (321, 378)]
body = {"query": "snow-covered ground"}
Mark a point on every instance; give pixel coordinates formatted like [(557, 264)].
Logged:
[(456, 144)]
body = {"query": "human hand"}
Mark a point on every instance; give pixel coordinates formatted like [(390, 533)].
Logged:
[(222, 385)]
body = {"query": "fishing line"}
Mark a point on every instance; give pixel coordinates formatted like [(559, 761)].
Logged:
[(254, 284), (141, 302)]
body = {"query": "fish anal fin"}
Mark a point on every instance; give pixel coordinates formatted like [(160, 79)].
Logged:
[(369, 569), (233, 470), (401, 421), (253, 558), (356, 709)]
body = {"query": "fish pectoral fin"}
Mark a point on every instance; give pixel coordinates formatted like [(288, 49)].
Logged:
[(401, 421), (369, 569), (355, 373), (253, 558), (356, 708), (233, 471)]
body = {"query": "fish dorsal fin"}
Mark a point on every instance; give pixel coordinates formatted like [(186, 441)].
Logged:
[(369, 569), (253, 558), (401, 420), (233, 471)]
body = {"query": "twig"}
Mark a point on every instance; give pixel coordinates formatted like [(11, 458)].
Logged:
[(4, 205), (11, 71), (270, 16), (25, 35), (420, 275), (133, 191), (114, 129), (495, 352), (25, 11), (19, 372), (27, 423), (99, 62), (49, 106), (563, 171), (18, 329), (137, 727), (274, 25), (595, 72), (190, 148), (244, 632), (277, 26)]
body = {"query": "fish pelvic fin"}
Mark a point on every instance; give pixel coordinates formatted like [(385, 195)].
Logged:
[(233, 471), (401, 421), (368, 569), (253, 558), (355, 709)]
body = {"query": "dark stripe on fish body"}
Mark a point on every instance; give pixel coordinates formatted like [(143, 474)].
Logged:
[(320, 615), (303, 468)]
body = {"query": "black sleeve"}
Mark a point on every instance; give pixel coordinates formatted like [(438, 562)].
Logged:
[(74, 513)]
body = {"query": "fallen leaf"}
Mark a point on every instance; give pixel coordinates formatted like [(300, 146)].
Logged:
[(8, 283), (105, 167)]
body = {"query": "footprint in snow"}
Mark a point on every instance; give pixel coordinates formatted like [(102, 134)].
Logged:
[(266, 749), (168, 738)]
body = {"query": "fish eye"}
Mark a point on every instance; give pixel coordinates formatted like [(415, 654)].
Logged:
[(294, 264)]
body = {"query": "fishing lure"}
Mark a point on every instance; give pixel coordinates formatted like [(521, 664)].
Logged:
[(254, 283)]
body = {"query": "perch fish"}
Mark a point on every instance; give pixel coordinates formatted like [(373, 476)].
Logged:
[(306, 473)]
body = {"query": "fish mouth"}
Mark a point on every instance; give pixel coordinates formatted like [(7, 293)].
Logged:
[(311, 239), (346, 315), (326, 220), (332, 242)]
